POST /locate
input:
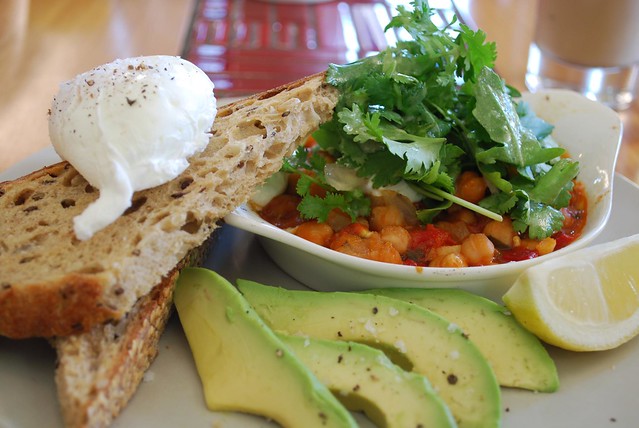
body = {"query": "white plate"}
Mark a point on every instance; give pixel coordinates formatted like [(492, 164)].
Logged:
[(597, 389)]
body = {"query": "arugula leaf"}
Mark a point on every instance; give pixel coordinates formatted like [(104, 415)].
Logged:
[(496, 112), (539, 127), (427, 215), (494, 175)]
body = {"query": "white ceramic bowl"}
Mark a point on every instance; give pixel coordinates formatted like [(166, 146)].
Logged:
[(589, 131)]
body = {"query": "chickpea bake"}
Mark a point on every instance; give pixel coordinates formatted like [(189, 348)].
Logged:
[(457, 238)]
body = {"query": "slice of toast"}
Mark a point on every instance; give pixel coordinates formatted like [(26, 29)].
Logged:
[(98, 372), (52, 284)]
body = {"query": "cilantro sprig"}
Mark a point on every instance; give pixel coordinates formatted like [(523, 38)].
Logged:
[(309, 165), (426, 109)]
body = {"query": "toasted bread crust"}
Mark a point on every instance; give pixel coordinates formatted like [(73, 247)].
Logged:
[(99, 371), (74, 303), (94, 398), (42, 263)]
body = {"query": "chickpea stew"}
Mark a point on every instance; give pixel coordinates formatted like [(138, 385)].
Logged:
[(392, 233)]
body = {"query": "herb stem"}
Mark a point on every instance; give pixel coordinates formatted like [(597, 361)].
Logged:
[(430, 191)]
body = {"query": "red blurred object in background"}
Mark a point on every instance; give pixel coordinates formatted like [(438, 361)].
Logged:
[(247, 46)]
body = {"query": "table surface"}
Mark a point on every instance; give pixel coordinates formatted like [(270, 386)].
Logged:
[(43, 43)]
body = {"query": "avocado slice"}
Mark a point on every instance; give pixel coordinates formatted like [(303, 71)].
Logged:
[(433, 346), (516, 355), (242, 364), (364, 379)]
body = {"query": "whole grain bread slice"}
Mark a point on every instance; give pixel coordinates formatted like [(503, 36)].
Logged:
[(52, 284), (97, 372)]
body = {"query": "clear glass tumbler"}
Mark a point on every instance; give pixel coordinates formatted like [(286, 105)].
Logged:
[(590, 46)]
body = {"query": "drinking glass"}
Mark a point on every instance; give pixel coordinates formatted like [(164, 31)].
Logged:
[(590, 46)]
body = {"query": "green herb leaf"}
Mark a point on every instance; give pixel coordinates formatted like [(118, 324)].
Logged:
[(539, 219), (553, 188), (475, 54), (352, 203), (539, 127)]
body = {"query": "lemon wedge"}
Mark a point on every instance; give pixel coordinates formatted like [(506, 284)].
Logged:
[(583, 301)]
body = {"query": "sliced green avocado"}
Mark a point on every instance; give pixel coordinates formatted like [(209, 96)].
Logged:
[(433, 346), (364, 379), (517, 356), (243, 365)]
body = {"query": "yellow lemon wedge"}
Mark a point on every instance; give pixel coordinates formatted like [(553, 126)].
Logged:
[(587, 300)]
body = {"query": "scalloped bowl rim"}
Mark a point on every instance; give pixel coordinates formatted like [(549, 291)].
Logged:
[(577, 120)]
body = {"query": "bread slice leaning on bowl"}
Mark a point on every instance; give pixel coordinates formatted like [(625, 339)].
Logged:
[(52, 284)]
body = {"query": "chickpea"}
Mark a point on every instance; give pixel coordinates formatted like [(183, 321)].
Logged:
[(478, 250), (348, 243), (516, 241), (397, 236), (382, 251), (450, 260), (444, 250), (370, 247), (471, 186), (501, 231), (463, 214), (545, 246), (389, 197), (318, 233), (529, 244), (386, 215)]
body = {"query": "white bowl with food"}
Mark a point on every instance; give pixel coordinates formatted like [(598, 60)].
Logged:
[(590, 133)]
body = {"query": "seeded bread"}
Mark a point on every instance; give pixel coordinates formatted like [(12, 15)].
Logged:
[(98, 372), (52, 284)]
